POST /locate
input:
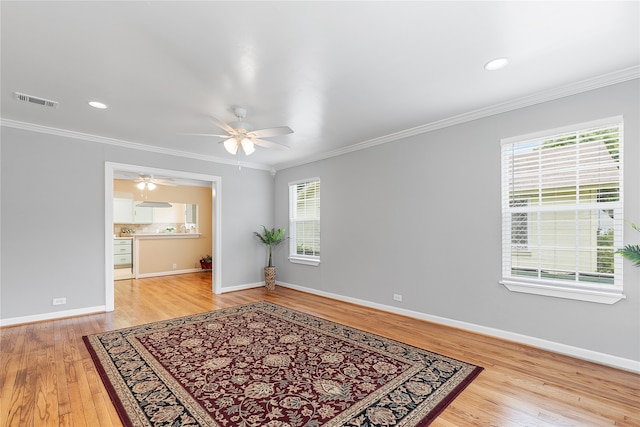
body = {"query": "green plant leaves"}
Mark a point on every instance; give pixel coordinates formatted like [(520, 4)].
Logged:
[(270, 238), (632, 252)]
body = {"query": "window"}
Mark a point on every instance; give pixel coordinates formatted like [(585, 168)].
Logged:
[(304, 222), (562, 212)]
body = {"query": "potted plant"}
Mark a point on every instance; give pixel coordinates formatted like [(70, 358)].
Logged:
[(271, 238), (206, 262), (632, 252)]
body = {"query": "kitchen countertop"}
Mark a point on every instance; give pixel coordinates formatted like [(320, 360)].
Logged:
[(167, 235)]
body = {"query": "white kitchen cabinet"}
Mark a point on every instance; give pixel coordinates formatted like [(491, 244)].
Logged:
[(122, 253), (123, 211), (142, 215)]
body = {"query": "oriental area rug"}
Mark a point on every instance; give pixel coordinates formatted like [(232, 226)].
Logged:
[(262, 364)]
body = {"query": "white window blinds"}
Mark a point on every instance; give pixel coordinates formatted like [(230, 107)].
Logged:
[(562, 210), (304, 219)]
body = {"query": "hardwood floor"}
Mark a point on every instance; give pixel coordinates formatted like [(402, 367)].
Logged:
[(48, 378)]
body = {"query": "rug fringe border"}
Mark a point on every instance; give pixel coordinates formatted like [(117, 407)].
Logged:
[(111, 391)]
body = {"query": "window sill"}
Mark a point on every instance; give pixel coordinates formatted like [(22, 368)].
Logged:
[(305, 261), (597, 296)]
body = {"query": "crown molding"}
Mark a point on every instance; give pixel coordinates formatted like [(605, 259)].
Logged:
[(127, 144), (526, 101)]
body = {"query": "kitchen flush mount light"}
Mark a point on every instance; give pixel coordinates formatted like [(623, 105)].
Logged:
[(99, 105), (496, 64)]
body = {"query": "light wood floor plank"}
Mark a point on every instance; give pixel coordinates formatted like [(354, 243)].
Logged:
[(47, 376), (61, 383), (11, 349)]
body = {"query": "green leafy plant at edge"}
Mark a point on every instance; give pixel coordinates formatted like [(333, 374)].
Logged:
[(271, 238), (632, 252)]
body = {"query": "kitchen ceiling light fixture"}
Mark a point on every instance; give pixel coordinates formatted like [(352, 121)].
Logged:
[(148, 185), (150, 182), (147, 204), (496, 64)]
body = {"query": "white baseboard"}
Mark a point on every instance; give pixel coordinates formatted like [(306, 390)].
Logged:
[(168, 273), (52, 316), (577, 352), (241, 287)]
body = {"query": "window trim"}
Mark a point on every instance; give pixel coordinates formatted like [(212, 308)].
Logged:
[(604, 294), (298, 259), (294, 257), (559, 291)]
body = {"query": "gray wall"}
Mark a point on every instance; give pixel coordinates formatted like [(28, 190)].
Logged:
[(52, 226), (421, 217), (418, 217)]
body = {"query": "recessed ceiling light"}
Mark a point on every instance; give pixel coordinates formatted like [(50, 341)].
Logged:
[(496, 64), (96, 104)]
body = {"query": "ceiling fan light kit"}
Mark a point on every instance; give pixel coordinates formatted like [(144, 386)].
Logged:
[(247, 146), (148, 185), (241, 134), (150, 182), (231, 145)]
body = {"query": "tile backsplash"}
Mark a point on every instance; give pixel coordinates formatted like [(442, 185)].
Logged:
[(154, 228)]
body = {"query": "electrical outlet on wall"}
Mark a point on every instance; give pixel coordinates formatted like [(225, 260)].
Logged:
[(59, 301), (175, 266), (397, 297)]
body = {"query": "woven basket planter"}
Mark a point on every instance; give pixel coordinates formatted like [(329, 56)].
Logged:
[(270, 278)]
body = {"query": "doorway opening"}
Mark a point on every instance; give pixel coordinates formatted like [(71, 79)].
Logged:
[(112, 170)]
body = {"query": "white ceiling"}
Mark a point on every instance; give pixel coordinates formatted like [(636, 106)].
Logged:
[(340, 74)]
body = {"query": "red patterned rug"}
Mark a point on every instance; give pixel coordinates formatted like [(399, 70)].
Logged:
[(266, 365)]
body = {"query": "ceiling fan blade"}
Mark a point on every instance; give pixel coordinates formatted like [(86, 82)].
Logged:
[(206, 134), (162, 181), (266, 133), (165, 183), (222, 125), (269, 144)]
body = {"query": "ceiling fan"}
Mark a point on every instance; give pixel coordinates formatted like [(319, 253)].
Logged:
[(149, 182), (241, 134)]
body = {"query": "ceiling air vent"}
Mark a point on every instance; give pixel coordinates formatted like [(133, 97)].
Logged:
[(35, 100)]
